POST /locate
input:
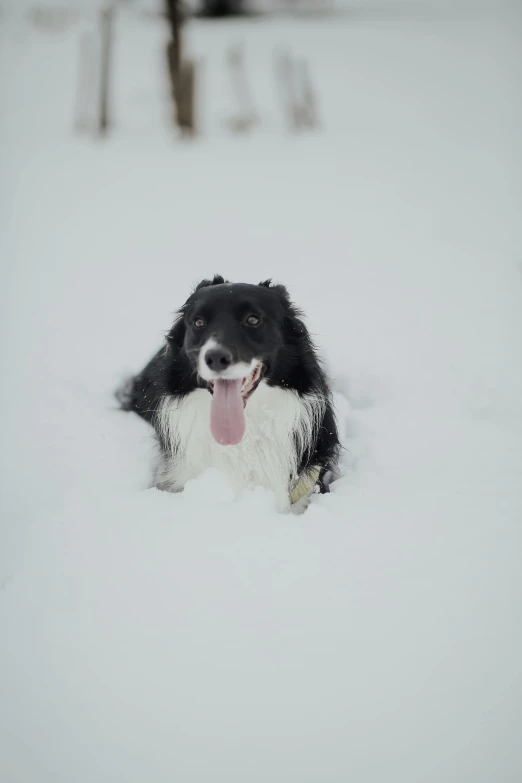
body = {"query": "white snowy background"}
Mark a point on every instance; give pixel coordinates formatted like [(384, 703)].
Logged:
[(202, 638)]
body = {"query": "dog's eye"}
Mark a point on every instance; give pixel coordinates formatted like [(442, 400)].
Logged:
[(199, 323), (252, 320)]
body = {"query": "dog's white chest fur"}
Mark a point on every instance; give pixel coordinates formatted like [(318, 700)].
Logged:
[(280, 425)]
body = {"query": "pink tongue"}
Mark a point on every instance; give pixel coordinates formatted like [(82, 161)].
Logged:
[(227, 415)]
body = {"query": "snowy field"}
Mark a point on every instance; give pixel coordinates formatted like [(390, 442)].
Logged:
[(203, 638)]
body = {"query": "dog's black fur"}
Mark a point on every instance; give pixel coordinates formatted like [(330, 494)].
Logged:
[(281, 341)]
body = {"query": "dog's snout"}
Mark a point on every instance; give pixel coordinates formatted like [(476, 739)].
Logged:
[(218, 359)]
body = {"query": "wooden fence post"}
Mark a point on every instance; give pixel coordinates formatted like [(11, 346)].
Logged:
[(106, 41), (182, 73)]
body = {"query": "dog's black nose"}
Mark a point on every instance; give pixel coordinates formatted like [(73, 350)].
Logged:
[(218, 359)]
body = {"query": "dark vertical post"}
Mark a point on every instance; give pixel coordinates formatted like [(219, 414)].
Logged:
[(106, 36), (174, 17), (181, 72)]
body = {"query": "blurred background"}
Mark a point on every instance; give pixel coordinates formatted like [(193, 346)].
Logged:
[(204, 134)]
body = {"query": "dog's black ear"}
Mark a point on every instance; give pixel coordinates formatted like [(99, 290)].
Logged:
[(293, 324), (277, 289), (216, 280), (176, 335)]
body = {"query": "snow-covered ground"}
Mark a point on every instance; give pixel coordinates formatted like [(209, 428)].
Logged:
[(202, 638)]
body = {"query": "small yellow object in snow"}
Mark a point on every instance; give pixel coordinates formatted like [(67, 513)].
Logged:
[(305, 485)]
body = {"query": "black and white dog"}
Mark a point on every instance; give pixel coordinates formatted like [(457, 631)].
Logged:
[(238, 386)]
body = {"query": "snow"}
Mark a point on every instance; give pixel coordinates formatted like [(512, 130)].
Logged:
[(204, 637)]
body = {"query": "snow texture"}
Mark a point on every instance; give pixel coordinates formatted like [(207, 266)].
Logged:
[(203, 637)]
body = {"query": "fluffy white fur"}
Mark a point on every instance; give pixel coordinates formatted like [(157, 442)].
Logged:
[(280, 426)]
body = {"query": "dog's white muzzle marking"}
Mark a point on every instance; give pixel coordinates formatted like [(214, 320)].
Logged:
[(232, 373)]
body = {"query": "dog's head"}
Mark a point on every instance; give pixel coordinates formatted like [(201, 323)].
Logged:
[(233, 334)]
